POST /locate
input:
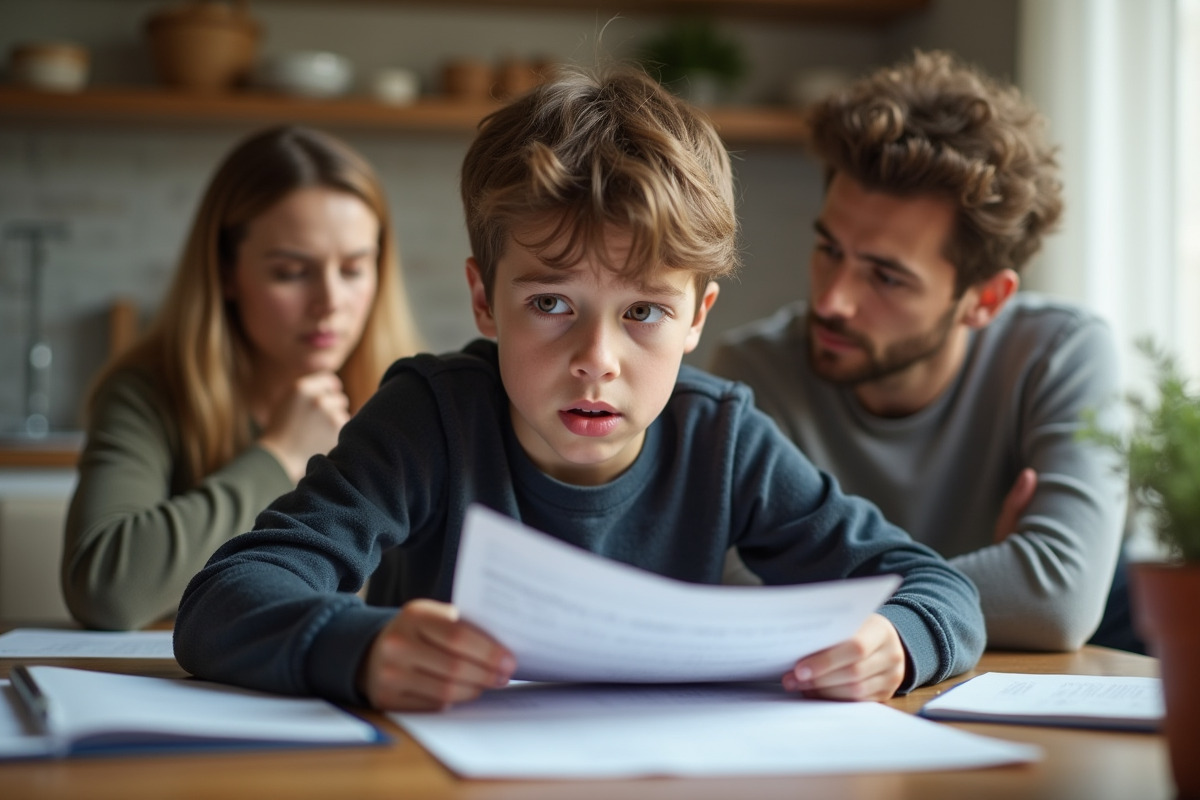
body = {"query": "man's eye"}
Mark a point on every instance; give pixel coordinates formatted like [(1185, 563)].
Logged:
[(885, 278), (549, 304), (826, 249), (645, 312)]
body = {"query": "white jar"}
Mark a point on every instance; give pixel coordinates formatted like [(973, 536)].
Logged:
[(397, 87), (52, 66)]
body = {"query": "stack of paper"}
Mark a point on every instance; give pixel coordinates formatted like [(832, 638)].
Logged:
[(1088, 701)]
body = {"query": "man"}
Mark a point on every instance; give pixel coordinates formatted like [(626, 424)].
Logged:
[(917, 375)]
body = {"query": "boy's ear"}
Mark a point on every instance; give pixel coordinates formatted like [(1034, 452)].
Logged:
[(485, 321), (986, 299), (706, 303)]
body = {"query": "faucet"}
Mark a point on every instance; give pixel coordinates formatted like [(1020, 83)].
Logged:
[(38, 354)]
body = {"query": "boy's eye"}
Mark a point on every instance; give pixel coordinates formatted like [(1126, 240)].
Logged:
[(645, 312), (549, 304)]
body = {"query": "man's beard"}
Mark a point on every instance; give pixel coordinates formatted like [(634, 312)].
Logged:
[(897, 358)]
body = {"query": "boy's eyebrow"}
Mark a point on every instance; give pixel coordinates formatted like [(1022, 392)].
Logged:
[(880, 261), (557, 277)]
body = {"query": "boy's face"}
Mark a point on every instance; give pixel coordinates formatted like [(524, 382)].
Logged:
[(588, 359)]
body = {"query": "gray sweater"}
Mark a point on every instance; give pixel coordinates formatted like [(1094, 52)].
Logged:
[(138, 529), (275, 609), (943, 472)]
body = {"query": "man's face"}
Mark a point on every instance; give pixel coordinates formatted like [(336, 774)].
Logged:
[(882, 298), (588, 359)]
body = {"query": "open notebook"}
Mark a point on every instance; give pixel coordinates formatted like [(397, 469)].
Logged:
[(100, 713), (1078, 701)]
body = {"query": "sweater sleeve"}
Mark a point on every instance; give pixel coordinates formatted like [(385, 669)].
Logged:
[(1045, 585), (797, 525), (131, 545), (276, 609)]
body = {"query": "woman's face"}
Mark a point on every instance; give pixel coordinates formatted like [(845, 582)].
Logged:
[(304, 282)]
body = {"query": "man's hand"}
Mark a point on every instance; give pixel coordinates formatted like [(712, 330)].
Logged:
[(1014, 505), (868, 666), (428, 659)]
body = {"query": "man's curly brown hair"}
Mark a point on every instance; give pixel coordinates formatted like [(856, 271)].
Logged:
[(934, 125)]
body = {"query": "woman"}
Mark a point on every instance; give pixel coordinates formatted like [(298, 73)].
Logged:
[(286, 308)]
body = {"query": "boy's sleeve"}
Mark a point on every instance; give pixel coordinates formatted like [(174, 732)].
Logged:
[(797, 526), (275, 609)]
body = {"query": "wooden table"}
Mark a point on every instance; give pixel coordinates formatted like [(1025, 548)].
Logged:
[(1084, 764)]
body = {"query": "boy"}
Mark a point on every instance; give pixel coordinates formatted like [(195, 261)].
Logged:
[(599, 211)]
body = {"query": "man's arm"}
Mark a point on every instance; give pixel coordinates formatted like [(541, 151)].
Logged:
[(1044, 583)]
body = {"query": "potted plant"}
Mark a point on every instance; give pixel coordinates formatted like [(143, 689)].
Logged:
[(693, 59), (1162, 453)]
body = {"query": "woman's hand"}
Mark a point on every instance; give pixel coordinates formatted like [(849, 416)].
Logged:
[(306, 422)]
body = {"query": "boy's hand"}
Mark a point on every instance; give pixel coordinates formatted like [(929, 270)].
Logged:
[(868, 666), (427, 659)]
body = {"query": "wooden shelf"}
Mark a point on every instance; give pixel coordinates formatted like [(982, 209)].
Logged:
[(738, 125), (860, 13)]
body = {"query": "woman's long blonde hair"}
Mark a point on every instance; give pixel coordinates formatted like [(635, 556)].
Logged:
[(195, 346)]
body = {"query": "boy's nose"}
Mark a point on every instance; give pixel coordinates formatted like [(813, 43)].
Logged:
[(596, 355)]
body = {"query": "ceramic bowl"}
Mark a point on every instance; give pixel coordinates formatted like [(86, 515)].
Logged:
[(307, 73), (50, 66)]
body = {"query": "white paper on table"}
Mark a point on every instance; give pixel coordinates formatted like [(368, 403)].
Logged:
[(570, 615), (1089, 701), (50, 643), (558, 731)]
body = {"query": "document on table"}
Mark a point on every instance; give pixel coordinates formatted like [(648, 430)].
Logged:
[(559, 731), (569, 615), (101, 713), (1086, 701), (50, 643)]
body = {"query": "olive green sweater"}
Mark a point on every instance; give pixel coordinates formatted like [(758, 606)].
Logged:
[(137, 529)]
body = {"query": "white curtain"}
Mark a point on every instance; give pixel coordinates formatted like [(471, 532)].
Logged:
[(1105, 73)]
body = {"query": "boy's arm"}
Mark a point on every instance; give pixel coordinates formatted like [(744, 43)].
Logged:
[(795, 525), (1043, 585), (275, 609)]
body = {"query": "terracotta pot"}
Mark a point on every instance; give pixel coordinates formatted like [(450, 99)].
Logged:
[(203, 45), (468, 79), (1165, 602)]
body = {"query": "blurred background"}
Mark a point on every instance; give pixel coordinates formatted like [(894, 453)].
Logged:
[(113, 114), (101, 166)]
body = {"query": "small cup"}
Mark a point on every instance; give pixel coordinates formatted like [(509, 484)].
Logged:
[(396, 87), (51, 66)]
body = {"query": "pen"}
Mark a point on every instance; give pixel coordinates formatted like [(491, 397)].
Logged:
[(36, 704)]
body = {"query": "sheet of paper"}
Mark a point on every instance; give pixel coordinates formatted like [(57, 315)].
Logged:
[(1103, 701), (50, 643), (623, 731), (569, 615)]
